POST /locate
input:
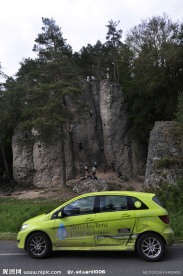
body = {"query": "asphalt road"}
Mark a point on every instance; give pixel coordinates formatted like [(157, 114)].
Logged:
[(16, 262)]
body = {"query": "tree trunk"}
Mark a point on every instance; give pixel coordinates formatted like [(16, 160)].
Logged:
[(4, 158), (63, 156), (72, 155)]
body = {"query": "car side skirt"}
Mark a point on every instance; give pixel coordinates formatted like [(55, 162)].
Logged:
[(96, 248)]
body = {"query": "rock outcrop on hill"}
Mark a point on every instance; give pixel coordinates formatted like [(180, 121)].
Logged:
[(165, 155), (101, 136)]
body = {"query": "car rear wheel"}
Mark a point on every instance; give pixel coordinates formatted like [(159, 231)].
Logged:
[(38, 245), (151, 247)]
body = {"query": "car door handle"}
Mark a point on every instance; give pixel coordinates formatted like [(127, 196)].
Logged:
[(125, 216), (89, 219)]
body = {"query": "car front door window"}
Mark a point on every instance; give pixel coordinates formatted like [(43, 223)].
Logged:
[(76, 226), (81, 206)]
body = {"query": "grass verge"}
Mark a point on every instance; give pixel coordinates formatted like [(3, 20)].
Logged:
[(13, 212)]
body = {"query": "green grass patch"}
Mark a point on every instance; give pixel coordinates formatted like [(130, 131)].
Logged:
[(13, 212)]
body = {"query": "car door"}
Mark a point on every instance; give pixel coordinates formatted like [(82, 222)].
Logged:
[(76, 226), (115, 221)]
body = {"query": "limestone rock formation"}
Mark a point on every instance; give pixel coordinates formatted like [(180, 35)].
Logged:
[(101, 135), (165, 156)]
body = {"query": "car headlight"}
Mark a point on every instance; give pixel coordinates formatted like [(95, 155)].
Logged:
[(24, 227)]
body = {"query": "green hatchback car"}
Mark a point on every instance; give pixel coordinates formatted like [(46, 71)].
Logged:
[(101, 221)]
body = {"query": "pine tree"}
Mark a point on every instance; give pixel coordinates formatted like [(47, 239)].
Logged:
[(179, 116), (113, 43), (9, 106), (49, 83)]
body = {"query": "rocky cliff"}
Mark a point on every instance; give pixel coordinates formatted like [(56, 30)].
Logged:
[(165, 156), (101, 135)]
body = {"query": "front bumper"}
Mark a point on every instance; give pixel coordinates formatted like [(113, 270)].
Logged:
[(21, 238)]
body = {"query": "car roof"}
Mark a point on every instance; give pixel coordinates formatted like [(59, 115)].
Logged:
[(128, 193)]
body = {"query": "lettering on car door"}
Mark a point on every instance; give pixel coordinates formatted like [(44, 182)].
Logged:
[(76, 226), (115, 221)]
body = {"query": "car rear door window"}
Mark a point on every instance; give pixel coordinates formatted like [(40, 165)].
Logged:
[(113, 203)]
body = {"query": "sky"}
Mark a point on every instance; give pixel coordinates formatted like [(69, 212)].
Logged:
[(81, 22)]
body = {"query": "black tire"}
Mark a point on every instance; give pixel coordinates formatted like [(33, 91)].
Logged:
[(151, 247), (38, 245)]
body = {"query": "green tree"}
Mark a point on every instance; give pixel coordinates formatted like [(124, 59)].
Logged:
[(50, 82), (114, 43), (85, 61), (101, 60), (179, 115), (10, 113), (4, 119), (125, 60), (155, 73), (93, 61)]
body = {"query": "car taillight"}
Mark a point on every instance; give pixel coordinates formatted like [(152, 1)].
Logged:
[(165, 219)]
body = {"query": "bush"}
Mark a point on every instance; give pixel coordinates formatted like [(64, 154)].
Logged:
[(169, 161), (171, 196)]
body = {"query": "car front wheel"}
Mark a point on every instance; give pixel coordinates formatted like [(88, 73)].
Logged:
[(151, 247), (38, 245)]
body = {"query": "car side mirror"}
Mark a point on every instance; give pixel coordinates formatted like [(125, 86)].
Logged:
[(60, 215)]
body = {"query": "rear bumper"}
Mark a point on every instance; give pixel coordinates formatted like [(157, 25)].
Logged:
[(169, 237)]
